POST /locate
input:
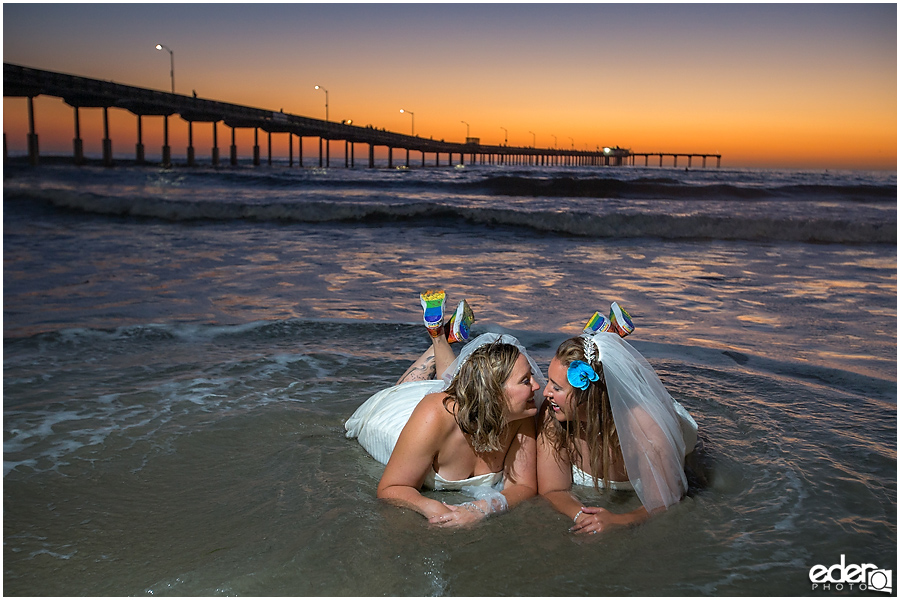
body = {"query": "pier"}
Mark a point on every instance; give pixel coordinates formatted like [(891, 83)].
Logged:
[(675, 155), (85, 93)]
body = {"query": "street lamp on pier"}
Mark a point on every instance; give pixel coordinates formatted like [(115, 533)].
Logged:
[(505, 136), (413, 115), (533, 139), (319, 87), (554, 140), (573, 143), (467, 129), (171, 63)]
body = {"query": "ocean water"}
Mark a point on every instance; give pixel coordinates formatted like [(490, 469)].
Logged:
[(182, 347)]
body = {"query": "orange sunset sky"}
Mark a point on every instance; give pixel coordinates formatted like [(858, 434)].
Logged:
[(781, 86)]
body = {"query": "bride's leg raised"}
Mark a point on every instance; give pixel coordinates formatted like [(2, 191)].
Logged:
[(433, 308), (436, 359), (420, 370), (442, 353)]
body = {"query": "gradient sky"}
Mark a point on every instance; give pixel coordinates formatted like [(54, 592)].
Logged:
[(784, 86)]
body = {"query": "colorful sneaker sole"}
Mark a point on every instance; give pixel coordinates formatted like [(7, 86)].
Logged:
[(433, 309), (596, 323), (620, 320), (460, 323)]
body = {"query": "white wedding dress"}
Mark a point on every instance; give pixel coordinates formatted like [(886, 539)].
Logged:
[(377, 423)]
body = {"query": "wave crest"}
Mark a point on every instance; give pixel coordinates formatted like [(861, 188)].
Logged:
[(664, 187), (616, 225)]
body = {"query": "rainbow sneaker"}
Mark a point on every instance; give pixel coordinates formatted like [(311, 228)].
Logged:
[(460, 322), (433, 307), (596, 323), (620, 320)]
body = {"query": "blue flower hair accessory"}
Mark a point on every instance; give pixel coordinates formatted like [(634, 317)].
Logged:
[(580, 374)]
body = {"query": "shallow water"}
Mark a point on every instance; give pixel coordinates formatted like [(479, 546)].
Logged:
[(229, 474), (175, 392)]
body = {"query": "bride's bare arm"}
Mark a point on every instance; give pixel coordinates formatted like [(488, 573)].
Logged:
[(555, 478), (520, 475), (413, 456)]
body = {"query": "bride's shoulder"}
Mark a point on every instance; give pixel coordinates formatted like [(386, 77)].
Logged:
[(435, 409)]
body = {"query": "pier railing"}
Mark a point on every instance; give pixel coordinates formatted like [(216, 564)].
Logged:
[(83, 92)]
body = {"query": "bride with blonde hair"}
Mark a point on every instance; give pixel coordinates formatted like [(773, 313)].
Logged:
[(471, 430)]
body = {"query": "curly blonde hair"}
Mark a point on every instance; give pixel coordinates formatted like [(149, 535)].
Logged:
[(599, 430), (478, 390)]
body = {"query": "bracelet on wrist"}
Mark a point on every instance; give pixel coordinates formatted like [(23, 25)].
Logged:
[(471, 505), (578, 514)]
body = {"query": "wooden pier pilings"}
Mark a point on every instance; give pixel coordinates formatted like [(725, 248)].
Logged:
[(82, 92)]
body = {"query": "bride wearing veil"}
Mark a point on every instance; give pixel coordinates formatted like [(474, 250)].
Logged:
[(607, 421)]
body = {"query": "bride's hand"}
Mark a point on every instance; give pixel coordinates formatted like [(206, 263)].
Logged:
[(594, 520), (459, 515)]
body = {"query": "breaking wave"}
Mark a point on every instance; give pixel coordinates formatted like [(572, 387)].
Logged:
[(620, 224)]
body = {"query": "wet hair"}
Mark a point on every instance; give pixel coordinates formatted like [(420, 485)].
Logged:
[(600, 429), (479, 392)]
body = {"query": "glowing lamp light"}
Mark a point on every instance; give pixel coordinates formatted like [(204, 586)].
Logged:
[(171, 62), (319, 87), (413, 115)]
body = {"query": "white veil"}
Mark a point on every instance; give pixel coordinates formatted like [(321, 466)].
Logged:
[(649, 430), (490, 338)]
